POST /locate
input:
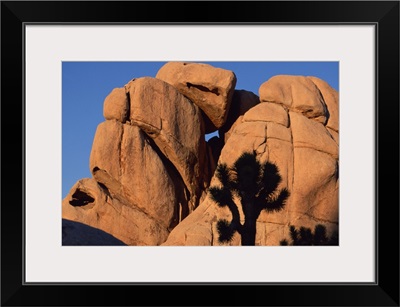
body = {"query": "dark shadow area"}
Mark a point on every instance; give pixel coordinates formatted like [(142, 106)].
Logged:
[(255, 184), (80, 198), (305, 236), (78, 234), (203, 88)]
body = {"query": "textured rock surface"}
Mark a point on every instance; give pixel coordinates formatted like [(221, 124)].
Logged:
[(175, 125), (151, 165), (149, 157), (124, 160), (92, 204), (305, 152), (331, 98), (298, 93), (116, 105), (209, 87)]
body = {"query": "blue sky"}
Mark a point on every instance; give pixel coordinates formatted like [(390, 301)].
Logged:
[(85, 85)]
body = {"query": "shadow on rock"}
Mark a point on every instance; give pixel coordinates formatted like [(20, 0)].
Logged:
[(75, 233)]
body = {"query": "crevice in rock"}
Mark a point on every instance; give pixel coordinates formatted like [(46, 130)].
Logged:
[(326, 110), (281, 103), (319, 219), (305, 145), (264, 121), (203, 88), (104, 189), (147, 128), (289, 122), (182, 212), (81, 199), (273, 223), (292, 168), (262, 147), (128, 107), (275, 138), (330, 134), (120, 158), (153, 132), (190, 158), (337, 171), (327, 114), (333, 129)]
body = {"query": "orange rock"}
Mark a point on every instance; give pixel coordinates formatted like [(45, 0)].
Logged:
[(151, 165), (209, 87), (285, 129), (89, 203), (297, 93), (176, 126), (116, 105), (331, 98), (125, 161)]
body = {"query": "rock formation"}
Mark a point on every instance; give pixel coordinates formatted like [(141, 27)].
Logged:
[(152, 167), (210, 88)]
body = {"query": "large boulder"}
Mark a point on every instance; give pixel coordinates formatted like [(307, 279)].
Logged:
[(151, 165), (288, 129), (297, 93), (116, 105), (124, 160), (209, 87), (175, 125), (150, 157), (91, 203)]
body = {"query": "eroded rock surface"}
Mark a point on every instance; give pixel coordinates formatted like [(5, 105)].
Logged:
[(176, 126), (124, 160), (92, 204), (297, 93), (116, 105), (151, 165), (289, 129), (211, 88)]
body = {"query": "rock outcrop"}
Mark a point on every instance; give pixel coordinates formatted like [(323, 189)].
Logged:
[(209, 87), (175, 125), (291, 134), (152, 167), (92, 204)]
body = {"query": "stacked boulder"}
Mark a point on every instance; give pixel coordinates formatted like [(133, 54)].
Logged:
[(152, 167), (149, 158)]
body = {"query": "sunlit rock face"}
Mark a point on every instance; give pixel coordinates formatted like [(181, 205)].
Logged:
[(289, 128), (151, 166), (210, 88)]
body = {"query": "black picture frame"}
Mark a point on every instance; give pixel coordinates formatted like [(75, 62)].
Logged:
[(383, 14)]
